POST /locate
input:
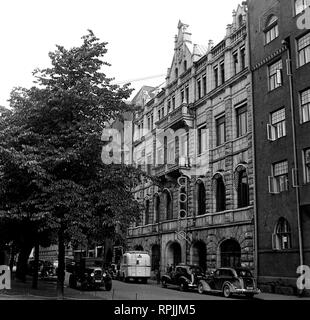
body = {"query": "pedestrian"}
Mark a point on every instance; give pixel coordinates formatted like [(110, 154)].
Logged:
[(158, 276)]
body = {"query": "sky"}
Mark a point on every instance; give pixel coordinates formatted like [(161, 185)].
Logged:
[(140, 35)]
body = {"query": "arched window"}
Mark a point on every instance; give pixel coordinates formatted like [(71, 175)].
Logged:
[(220, 193), (240, 20), (281, 239), (169, 211), (147, 212), (201, 199), (243, 189), (271, 29)]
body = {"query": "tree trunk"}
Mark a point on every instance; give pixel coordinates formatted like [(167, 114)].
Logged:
[(61, 264), (22, 263), (35, 267)]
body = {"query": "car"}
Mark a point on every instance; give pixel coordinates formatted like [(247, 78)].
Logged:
[(229, 281), (182, 277)]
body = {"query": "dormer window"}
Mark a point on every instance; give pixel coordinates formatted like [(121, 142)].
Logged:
[(185, 65), (176, 71), (271, 29), (240, 20)]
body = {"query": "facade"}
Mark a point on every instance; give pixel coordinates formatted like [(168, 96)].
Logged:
[(195, 137), (280, 56)]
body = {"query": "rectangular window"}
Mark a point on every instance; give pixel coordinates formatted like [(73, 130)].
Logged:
[(272, 33), (204, 85), (199, 88), (216, 76), (182, 96), (222, 68), (277, 128), (173, 102), (159, 114), (305, 105), (169, 106), (184, 145), (202, 140), (306, 156), (242, 58), (187, 94), (275, 75), (220, 131), (242, 121), (301, 5), (171, 154), (278, 182), (235, 62), (303, 46)]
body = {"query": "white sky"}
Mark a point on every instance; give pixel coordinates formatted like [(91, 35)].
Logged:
[(140, 34)]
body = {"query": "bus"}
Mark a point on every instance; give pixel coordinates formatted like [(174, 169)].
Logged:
[(135, 265)]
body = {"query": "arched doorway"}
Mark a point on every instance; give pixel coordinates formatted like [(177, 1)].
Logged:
[(230, 253), (199, 254), (155, 257), (174, 254), (138, 248)]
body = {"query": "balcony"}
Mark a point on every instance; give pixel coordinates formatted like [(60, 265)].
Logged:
[(181, 163), (178, 118)]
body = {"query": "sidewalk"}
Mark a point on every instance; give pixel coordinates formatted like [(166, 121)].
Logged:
[(46, 291)]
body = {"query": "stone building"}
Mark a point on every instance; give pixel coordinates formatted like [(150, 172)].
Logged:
[(195, 137)]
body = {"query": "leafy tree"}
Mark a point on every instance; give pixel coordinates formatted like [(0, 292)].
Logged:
[(52, 175)]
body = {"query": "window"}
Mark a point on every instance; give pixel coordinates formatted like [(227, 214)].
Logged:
[(222, 68), (202, 140), (182, 96), (176, 72), (216, 76), (187, 94), (235, 62), (147, 212), (199, 88), (303, 47), (156, 208), (278, 182), (185, 65), (184, 146), (159, 114), (243, 189), (173, 102), (281, 239), (204, 85), (272, 29), (305, 105), (277, 128), (169, 212), (275, 75), (301, 5), (165, 150), (242, 121), (171, 154), (169, 106), (220, 131), (242, 58), (220, 194), (201, 199), (306, 157)]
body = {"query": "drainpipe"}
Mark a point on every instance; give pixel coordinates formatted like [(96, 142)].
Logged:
[(254, 152), (286, 43)]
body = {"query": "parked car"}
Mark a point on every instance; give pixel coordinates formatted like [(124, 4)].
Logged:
[(229, 281), (184, 276), (88, 276)]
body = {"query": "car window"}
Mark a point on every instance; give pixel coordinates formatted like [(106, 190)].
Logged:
[(226, 273), (244, 273)]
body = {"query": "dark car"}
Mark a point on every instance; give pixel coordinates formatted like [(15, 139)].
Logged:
[(90, 277), (230, 281), (184, 276)]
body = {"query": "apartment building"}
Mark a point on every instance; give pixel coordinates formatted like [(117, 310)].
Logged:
[(195, 137)]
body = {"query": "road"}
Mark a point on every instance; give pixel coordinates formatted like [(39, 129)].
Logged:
[(150, 291)]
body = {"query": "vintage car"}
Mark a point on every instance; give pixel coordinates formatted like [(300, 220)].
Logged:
[(229, 281), (184, 276), (88, 277)]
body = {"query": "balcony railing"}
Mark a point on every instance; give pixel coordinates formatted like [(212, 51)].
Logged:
[(180, 163)]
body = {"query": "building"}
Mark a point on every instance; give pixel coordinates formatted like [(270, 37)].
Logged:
[(280, 56), (195, 137)]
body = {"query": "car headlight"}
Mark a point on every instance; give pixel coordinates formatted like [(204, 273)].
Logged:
[(92, 274), (104, 274)]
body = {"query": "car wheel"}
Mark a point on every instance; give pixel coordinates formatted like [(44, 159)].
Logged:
[(72, 282), (200, 288), (183, 286), (108, 286), (249, 295), (164, 283), (226, 291)]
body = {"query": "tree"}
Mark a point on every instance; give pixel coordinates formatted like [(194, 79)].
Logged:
[(50, 149)]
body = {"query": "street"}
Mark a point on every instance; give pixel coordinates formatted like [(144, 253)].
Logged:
[(150, 291)]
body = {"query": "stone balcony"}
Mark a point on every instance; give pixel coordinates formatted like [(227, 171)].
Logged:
[(229, 217), (179, 118), (181, 163)]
